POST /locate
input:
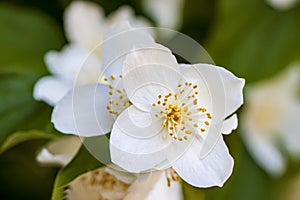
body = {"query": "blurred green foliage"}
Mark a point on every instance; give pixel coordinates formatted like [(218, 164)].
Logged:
[(248, 37)]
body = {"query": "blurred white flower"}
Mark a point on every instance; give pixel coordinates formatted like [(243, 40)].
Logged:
[(59, 152), (177, 112), (271, 121), (85, 26), (166, 13), (282, 4), (104, 183)]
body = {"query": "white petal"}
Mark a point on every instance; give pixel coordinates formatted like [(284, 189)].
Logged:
[(121, 33), (50, 89), (166, 13), (264, 151), (282, 4), (148, 72), (134, 163), (84, 24), (225, 89), (59, 152), (213, 170), (83, 111), (74, 64), (291, 131), (230, 124), (137, 141), (153, 188), (137, 132), (184, 67), (160, 190)]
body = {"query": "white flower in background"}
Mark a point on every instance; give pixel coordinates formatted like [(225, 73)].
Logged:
[(85, 27), (282, 4), (271, 121), (177, 112), (166, 13), (104, 183), (59, 152)]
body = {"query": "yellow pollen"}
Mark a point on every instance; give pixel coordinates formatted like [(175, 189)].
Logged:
[(113, 77), (206, 123), (202, 130), (105, 79), (188, 131), (208, 115), (111, 87), (202, 109), (120, 76)]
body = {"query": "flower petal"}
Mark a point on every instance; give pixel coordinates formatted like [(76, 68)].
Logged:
[(166, 13), (290, 130), (154, 187), (74, 64), (148, 72), (230, 124), (134, 163), (137, 141), (114, 53), (84, 24), (83, 111), (50, 89), (60, 151), (264, 151), (125, 13), (212, 170), (137, 132), (225, 89)]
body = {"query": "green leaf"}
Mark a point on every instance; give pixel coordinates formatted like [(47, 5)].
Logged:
[(252, 39), (25, 36), (23, 136), (83, 162)]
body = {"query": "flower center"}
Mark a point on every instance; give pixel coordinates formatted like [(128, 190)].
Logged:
[(180, 112), (173, 116), (119, 101), (98, 184)]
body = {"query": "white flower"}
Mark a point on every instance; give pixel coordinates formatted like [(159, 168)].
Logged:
[(105, 183), (206, 96), (85, 27), (177, 117), (282, 4), (166, 13), (271, 120)]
